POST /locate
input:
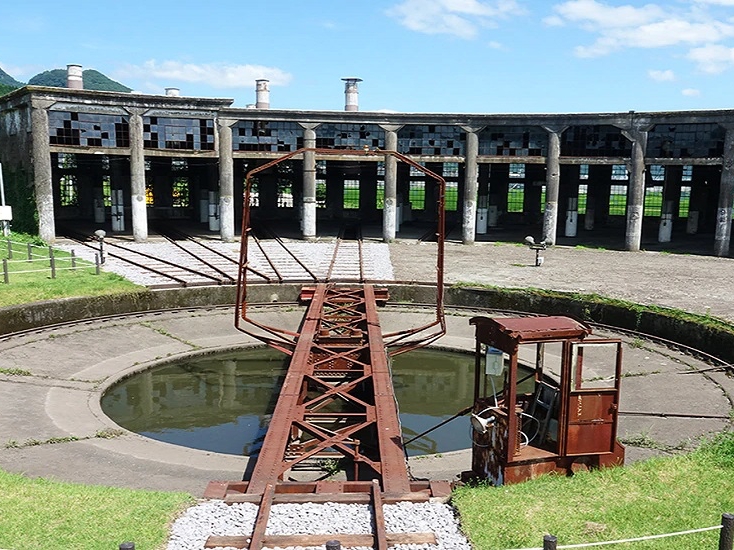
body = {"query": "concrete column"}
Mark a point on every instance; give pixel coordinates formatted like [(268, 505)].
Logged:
[(367, 190), (390, 208), (431, 197), (671, 200), (42, 181), (726, 196), (471, 186), (308, 221), (137, 178), (698, 198), (636, 191), (499, 182), (532, 202), (553, 180), (226, 180)]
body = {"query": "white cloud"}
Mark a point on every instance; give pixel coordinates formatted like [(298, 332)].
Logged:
[(712, 58), (661, 76), (649, 26), (217, 75), (691, 92), (462, 18), (597, 15), (716, 2), (495, 45)]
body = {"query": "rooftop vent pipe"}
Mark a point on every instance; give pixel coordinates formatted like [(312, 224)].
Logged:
[(173, 92), (262, 100), (74, 79), (351, 93)]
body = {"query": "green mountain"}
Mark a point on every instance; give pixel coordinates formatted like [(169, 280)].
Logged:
[(7, 80), (93, 80), (5, 89)]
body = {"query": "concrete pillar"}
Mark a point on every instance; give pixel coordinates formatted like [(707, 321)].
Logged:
[(431, 197), (367, 190), (137, 178), (568, 198), (553, 179), (351, 93), (226, 180), (390, 208), (726, 197), (471, 187), (74, 77), (308, 221), (698, 199), (499, 182), (42, 182), (262, 92), (532, 198), (335, 189), (671, 200), (636, 191)]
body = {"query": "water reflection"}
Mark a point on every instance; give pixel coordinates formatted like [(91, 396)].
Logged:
[(222, 403)]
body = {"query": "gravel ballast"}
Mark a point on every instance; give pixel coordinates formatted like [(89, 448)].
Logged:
[(215, 518)]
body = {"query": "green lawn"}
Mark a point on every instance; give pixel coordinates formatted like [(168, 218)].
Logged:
[(39, 514), (653, 497), (31, 281)]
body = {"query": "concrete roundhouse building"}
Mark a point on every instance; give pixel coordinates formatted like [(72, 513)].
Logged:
[(121, 161)]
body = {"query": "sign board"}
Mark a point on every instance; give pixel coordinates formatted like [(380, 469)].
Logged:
[(6, 214)]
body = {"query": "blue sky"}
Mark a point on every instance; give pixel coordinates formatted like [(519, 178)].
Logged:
[(464, 56)]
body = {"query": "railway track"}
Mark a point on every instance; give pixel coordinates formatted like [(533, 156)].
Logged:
[(177, 259)]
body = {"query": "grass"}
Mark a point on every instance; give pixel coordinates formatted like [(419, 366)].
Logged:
[(38, 285), (652, 497), (42, 514)]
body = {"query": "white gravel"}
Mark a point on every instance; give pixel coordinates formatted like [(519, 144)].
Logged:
[(198, 523)]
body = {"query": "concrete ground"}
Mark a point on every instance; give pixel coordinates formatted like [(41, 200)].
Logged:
[(54, 425)]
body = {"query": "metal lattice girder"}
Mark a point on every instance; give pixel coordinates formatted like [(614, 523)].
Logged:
[(337, 392)]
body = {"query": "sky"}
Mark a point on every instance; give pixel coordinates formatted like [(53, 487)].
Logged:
[(432, 56)]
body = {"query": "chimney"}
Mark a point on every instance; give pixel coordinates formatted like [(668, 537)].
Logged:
[(173, 92), (351, 93), (74, 78), (262, 100)]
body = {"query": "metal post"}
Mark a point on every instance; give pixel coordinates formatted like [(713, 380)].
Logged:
[(6, 276), (333, 545), (726, 536), (73, 260), (96, 263), (5, 224), (549, 542), (10, 250), (52, 261), (30, 252)]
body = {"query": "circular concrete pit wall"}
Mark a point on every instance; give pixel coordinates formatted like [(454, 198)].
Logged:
[(714, 338)]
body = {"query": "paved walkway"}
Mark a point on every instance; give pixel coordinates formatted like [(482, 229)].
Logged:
[(57, 421)]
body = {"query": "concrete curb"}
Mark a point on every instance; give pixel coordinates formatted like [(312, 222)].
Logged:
[(715, 337)]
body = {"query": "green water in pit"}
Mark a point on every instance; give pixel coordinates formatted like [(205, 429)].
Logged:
[(223, 403)]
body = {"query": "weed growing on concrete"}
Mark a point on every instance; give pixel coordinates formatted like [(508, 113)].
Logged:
[(16, 372), (108, 433), (636, 343)]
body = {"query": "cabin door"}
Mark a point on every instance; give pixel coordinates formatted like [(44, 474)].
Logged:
[(593, 396)]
